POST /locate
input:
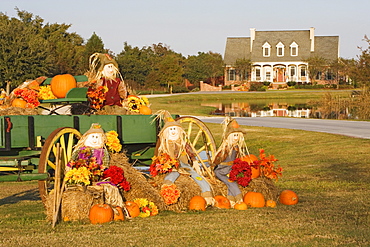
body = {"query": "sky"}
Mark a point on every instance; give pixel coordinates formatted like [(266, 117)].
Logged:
[(192, 26)]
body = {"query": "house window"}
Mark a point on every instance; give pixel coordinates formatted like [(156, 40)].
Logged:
[(303, 71), (266, 48), (231, 75), (292, 71), (294, 49), (280, 49), (258, 74)]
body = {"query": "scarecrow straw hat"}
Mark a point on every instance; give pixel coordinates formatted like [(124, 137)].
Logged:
[(231, 126)]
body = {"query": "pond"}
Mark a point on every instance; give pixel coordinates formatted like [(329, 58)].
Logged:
[(269, 108)]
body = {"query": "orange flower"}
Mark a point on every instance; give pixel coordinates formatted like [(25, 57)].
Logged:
[(170, 193)]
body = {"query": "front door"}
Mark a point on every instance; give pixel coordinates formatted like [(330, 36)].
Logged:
[(280, 75)]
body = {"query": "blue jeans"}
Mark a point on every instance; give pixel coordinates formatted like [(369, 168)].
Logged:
[(203, 184)]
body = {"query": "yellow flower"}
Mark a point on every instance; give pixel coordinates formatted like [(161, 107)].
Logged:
[(78, 176), (113, 142), (46, 93)]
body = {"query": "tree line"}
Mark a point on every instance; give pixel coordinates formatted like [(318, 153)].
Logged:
[(30, 48)]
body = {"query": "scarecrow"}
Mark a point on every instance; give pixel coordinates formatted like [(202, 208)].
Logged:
[(172, 142), (91, 152), (232, 147), (104, 70)]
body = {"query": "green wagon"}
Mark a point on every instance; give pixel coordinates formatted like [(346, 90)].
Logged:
[(28, 142)]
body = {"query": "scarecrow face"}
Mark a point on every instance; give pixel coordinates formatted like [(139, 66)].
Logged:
[(234, 137), (109, 71), (173, 133), (94, 140)]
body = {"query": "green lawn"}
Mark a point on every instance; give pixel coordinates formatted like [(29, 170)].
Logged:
[(330, 174)]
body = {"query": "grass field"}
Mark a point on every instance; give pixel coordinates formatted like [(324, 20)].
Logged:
[(330, 174)]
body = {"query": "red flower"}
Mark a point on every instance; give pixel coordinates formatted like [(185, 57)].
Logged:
[(116, 176), (241, 172)]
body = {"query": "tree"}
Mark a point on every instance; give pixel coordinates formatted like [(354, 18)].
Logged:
[(204, 66), (316, 65), (362, 71), (93, 45), (243, 68), (135, 65), (23, 50)]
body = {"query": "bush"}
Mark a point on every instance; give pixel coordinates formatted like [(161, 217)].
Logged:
[(291, 83)]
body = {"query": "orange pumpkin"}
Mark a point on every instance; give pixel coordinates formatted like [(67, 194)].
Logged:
[(61, 84), (18, 102), (118, 214), (270, 203), (241, 206), (222, 202), (288, 197), (145, 110), (197, 203), (132, 208), (254, 199), (250, 159), (100, 213)]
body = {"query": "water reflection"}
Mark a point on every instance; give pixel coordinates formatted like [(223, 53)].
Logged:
[(246, 109)]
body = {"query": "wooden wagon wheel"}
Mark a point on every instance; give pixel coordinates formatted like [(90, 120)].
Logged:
[(201, 140), (67, 138)]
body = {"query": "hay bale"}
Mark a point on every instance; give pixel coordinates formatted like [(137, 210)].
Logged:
[(76, 203), (18, 111)]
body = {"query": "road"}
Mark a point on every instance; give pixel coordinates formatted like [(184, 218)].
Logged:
[(358, 129)]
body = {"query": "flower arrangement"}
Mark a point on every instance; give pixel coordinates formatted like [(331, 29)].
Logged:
[(241, 172), (79, 175), (170, 193), (29, 95), (86, 159), (113, 142), (134, 103), (46, 93), (162, 164), (96, 96), (147, 208), (268, 167), (116, 175)]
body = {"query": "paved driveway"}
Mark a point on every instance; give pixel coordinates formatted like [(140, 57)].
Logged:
[(358, 129)]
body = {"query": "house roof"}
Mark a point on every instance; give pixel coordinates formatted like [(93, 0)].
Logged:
[(240, 47)]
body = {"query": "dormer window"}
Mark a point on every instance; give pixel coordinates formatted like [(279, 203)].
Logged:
[(294, 49), (266, 48), (280, 49)]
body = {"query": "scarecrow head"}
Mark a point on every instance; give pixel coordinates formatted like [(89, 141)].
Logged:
[(172, 132), (103, 65), (94, 137)]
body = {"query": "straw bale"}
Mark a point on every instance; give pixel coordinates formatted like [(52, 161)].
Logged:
[(76, 203), (18, 111)]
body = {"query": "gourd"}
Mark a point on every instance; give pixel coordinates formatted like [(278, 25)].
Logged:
[(145, 110), (18, 102), (61, 84), (241, 206), (288, 197), (197, 203), (250, 159), (100, 213), (118, 214), (254, 199), (270, 203), (222, 202), (133, 209)]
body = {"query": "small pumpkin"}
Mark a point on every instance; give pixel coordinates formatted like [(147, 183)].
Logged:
[(222, 202), (197, 203), (18, 102), (100, 213), (118, 214), (288, 197), (61, 84), (270, 203), (145, 110), (241, 206), (132, 208), (250, 159), (254, 199)]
